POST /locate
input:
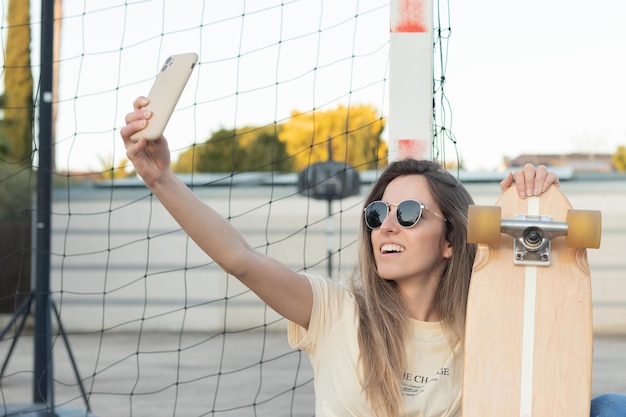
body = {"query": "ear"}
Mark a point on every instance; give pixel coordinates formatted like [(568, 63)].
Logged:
[(447, 250)]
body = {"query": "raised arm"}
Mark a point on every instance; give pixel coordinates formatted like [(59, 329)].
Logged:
[(284, 290)]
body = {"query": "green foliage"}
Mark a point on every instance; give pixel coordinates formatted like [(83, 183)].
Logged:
[(247, 149), (16, 185), (17, 126), (619, 159), (353, 135)]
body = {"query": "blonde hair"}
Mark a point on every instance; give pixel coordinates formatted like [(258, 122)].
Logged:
[(383, 318)]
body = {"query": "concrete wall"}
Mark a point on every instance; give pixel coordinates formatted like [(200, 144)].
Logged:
[(119, 262)]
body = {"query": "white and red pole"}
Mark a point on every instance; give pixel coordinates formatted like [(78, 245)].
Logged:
[(411, 80)]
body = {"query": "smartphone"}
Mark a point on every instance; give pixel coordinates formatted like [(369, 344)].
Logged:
[(165, 92)]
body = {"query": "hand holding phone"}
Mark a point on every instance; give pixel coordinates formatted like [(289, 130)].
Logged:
[(165, 92)]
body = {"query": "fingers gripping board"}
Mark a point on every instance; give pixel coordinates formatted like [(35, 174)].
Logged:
[(528, 341)]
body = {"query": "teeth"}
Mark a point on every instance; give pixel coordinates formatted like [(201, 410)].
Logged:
[(391, 248)]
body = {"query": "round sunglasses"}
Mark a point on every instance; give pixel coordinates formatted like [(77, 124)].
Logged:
[(408, 213)]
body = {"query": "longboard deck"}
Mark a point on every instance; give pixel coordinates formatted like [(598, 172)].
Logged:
[(528, 341)]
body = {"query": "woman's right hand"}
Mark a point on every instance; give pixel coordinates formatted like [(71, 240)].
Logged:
[(151, 159)]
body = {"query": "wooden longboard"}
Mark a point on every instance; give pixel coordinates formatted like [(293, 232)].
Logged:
[(528, 341)]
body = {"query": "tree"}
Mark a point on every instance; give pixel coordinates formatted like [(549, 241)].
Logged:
[(110, 171), (354, 134), (16, 174), (17, 126), (269, 153), (16, 186), (215, 155), (619, 159), (229, 150)]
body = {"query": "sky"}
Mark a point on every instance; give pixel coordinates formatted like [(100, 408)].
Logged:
[(521, 77), (538, 76)]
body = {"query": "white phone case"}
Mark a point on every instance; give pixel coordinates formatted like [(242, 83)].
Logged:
[(165, 92)]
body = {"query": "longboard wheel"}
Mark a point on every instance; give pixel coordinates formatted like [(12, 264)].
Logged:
[(584, 228), (483, 224)]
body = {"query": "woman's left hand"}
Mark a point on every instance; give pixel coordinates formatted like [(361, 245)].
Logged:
[(530, 181)]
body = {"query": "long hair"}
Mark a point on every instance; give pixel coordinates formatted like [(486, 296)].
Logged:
[(383, 317)]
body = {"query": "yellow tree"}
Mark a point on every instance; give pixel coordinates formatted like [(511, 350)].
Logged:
[(109, 170), (353, 134), (18, 85), (619, 159)]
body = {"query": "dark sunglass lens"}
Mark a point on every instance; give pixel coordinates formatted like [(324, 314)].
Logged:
[(375, 214), (409, 213)]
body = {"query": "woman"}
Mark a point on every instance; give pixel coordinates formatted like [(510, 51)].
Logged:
[(410, 296), (389, 345)]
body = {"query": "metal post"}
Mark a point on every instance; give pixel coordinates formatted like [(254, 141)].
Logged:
[(42, 383)]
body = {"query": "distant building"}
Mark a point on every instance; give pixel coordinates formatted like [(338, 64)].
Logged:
[(576, 161)]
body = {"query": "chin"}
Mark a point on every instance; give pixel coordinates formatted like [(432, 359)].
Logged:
[(387, 276)]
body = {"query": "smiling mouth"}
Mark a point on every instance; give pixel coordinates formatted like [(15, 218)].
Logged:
[(389, 248)]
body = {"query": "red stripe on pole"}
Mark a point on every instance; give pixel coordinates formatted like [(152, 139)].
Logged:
[(410, 17), (412, 148)]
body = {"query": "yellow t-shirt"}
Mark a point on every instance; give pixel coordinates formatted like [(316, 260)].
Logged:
[(431, 384)]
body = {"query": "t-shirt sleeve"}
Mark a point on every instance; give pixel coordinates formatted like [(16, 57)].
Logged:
[(298, 336), (326, 297)]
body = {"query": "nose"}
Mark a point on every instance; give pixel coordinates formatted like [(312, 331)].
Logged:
[(391, 221)]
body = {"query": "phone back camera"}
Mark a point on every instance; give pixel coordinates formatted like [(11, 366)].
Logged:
[(168, 62)]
